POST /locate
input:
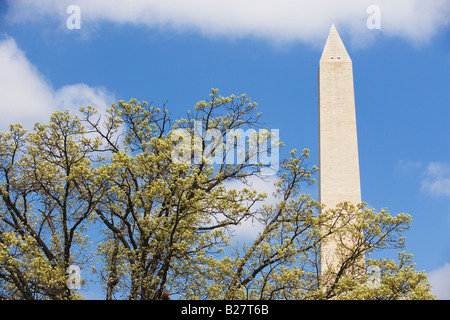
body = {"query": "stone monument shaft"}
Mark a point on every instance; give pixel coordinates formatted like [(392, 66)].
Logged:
[(339, 179)]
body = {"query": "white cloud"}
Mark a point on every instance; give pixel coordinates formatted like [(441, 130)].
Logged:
[(27, 97), (440, 281), (437, 179), (25, 94), (77, 95), (280, 20), (248, 230)]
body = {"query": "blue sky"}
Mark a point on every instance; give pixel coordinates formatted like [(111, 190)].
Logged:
[(176, 51)]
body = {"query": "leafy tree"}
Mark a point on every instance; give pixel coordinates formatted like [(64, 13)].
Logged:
[(48, 196), (168, 225)]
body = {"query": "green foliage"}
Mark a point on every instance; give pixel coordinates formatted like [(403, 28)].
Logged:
[(168, 226)]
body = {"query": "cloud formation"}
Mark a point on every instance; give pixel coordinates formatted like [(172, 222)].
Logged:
[(437, 180), (25, 93), (27, 97), (282, 20), (440, 281), (249, 229), (434, 176)]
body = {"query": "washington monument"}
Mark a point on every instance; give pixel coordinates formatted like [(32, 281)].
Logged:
[(338, 147)]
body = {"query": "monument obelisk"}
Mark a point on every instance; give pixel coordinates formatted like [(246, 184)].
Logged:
[(339, 179)]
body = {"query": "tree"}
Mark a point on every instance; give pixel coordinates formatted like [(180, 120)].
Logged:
[(168, 225), (48, 197)]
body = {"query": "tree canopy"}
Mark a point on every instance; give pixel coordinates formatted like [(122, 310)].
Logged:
[(108, 192)]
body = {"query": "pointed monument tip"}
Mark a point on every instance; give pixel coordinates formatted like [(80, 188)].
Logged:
[(333, 28), (334, 50)]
